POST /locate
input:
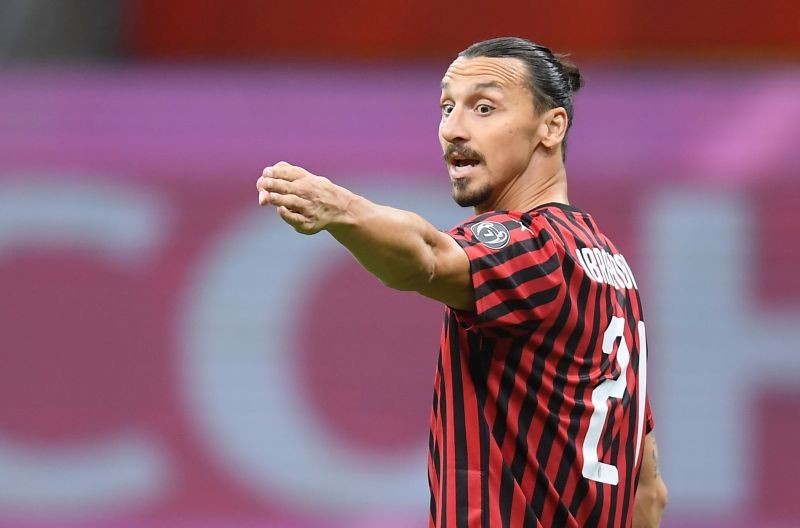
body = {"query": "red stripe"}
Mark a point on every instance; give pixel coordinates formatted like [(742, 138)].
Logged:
[(578, 231), (513, 265), (448, 468)]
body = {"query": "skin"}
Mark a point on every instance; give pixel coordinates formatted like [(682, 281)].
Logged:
[(488, 113), (488, 116), (651, 493)]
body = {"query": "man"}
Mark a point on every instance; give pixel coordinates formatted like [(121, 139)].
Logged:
[(540, 415)]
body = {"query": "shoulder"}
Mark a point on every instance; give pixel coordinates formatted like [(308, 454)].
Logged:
[(496, 230)]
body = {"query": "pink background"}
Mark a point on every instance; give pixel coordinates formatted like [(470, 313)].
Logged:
[(163, 340)]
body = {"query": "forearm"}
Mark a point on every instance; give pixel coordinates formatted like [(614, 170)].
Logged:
[(651, 493), (399, 247), (649, 505), (396, 246)]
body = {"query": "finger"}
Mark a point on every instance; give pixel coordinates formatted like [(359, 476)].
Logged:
[(290, 201), (284, 171), (263, 193), (267, 172), (292, 218), (279, 186), (261, 183)]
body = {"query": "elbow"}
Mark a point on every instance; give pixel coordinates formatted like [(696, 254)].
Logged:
[(661, 496), (651, 500)]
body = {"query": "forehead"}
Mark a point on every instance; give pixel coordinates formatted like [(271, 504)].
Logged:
[(507, 73)]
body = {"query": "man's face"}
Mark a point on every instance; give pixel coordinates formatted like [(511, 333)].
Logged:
[(488, 128)]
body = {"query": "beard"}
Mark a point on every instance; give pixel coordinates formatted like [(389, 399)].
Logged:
[(466, 197)]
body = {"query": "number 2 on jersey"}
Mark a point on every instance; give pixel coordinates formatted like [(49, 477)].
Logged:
[(614, 388)]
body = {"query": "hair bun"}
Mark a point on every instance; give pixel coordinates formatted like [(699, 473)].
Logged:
[(572, 75)]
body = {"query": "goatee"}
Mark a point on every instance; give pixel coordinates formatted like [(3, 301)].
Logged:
[(466, 198)]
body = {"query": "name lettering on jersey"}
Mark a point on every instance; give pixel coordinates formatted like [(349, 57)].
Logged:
[(602, 266)]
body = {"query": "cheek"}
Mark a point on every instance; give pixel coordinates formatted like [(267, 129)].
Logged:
[(511, 148), (442, 142)]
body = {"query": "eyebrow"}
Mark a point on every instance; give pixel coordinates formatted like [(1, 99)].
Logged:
[(477, 87)]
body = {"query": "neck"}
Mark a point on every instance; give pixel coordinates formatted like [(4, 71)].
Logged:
[(529, 191)]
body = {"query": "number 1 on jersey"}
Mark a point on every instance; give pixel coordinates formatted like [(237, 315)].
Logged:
[(614, 388)]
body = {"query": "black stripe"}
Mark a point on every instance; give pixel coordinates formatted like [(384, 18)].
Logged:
[(592, 233), (594, 517), (530, 520), (480, 363), (433, 443), (509, 375), (614, 490), (519, 277), (460, 432), (433, 449), (443, 410), (507, 381), (571, 354), (600, 488), (516, 249), (553, 422), (506, 496), (549, 216), (587, 231), (540, 489), (628, 444), (432, 503), (584, 373), (572, 225), (585, 357), (632, 477), (534, 383), (502, 332), (630, 448), (559, 205), (530, 302)]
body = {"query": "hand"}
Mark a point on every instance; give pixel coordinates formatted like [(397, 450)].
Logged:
[(306, 202)]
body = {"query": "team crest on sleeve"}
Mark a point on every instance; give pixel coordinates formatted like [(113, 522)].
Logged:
[(493, 235)]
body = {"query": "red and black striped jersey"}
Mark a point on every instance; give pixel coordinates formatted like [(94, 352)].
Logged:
[(539, 406)]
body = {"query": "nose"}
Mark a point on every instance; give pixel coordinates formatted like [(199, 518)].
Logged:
[(452, 129)]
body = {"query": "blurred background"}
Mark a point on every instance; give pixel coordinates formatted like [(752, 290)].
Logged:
[(171, 355)]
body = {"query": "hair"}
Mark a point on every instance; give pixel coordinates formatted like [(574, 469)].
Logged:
[(551, 78)]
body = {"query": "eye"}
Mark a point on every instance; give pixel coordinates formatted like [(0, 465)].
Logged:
[(447, 109), (484, 109)]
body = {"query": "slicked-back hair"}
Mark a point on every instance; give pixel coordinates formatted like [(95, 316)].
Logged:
[(551, 78)]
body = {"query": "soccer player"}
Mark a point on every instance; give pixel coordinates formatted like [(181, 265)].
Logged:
[(540, 413)]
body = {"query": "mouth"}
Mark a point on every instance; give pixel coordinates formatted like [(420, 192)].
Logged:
[(460, 165)]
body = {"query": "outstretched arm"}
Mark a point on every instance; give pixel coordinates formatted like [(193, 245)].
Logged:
[(399, 247), (651, 493)]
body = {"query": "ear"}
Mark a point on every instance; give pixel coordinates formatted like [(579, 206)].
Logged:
[(553, 127)]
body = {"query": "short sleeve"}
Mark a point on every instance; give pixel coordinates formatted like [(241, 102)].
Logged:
[(515, 266)]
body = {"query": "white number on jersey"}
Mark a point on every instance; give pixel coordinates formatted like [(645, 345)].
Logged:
[(614, 388)]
